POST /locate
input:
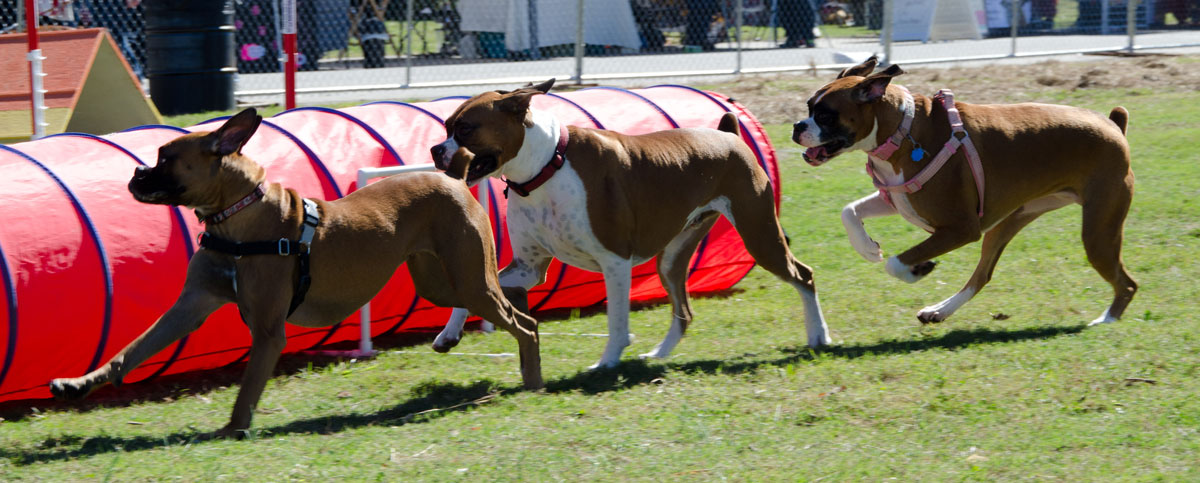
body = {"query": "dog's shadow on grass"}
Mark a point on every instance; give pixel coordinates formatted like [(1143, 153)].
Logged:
[(636, 372), (435, 400)]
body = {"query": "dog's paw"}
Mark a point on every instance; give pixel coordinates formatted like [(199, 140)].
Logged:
[(68, 389), (444, 345), (909, 273), (922, 269), (1104, 318), (603, 365), (820, 340), (227, 432), (868, 249), (944, 309), (931, 315), (654, 354), (444, 341)]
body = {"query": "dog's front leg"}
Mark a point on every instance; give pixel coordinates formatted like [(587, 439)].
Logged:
[(618, 275), (452, 332), (520, 273), (853, 214), (207, 288), (916, 262), (269, 338)]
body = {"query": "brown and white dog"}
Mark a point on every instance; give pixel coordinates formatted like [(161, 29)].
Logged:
[(616, 202), (425, 219), (1032, 158)]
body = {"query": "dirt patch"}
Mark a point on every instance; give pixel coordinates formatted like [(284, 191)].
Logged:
[(780, 98)]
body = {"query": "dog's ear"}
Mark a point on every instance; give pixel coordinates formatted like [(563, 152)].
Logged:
[(862, 70), (518, 101), (872, 88), (460, 162), (543, 87), (235, 132)]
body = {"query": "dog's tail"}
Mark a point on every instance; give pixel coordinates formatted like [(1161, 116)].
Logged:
[(1120, 117), (729, 124)]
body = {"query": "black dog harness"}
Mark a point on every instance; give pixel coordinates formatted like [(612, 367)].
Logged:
[(282, 247)]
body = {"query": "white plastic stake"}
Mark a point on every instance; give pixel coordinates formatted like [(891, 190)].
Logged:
[(39, 93)]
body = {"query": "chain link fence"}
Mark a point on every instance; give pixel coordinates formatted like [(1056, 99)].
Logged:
[(380, 48)]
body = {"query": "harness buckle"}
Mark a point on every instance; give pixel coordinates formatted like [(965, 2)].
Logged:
[(285, 248)]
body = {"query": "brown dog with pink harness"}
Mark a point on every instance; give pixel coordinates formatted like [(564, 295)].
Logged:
[(1000, 167)]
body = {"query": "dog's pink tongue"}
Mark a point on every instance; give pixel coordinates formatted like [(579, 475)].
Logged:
[(815, 153)]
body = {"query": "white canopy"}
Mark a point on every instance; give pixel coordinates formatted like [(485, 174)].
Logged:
[(606, 22)]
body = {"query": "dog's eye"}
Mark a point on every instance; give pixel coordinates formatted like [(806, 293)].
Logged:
[(463, 129), (824, 117)]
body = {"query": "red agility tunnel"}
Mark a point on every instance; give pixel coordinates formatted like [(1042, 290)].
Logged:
[(84, 268)]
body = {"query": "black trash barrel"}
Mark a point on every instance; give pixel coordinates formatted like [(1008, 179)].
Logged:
[(190, 55)]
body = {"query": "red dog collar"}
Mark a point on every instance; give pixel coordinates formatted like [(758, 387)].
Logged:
[(553, 166), (257, 194)]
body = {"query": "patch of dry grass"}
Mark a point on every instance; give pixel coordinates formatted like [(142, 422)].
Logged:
[(780, 98)]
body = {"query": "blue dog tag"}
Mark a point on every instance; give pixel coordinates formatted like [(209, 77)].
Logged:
[(917, 154)]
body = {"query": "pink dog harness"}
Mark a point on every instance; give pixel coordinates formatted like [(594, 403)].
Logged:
[(958, 137)]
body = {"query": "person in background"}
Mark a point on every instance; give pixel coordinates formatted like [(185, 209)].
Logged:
[(645, 15), (1044, 12), (797, 19), (8, 16), (699, 19), (324, 25)]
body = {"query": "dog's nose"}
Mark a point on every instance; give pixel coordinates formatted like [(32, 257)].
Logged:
[(141, 171), (437, 152), (799, 127)]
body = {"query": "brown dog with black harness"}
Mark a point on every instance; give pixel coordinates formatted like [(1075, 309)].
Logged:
[(280, 257)]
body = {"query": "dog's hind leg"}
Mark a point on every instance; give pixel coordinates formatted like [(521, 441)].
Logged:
[(994, 242), (1104, 210), (755, 221), (673, 273)]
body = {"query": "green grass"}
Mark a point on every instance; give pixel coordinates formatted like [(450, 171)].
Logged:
[(1033, 397), (427, 38)]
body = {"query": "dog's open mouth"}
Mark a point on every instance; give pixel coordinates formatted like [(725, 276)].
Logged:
[(480, 167), (818, 155)]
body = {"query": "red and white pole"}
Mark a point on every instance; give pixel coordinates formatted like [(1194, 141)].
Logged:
[(288, 8), (37, 91)]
